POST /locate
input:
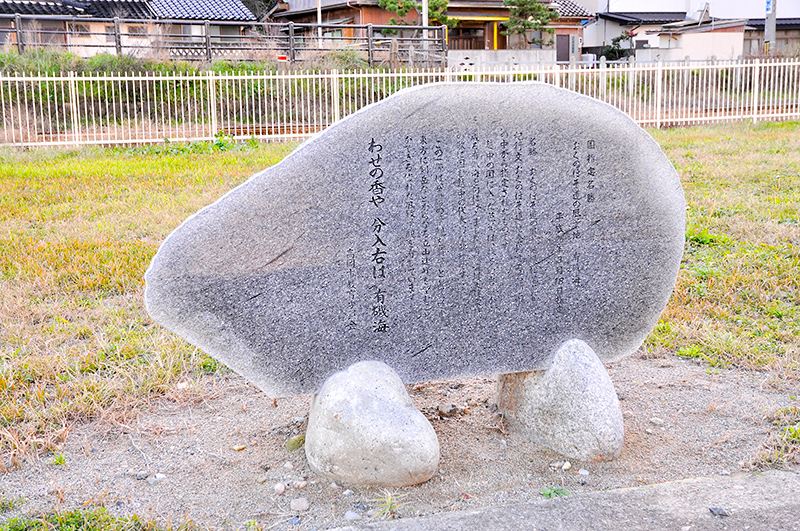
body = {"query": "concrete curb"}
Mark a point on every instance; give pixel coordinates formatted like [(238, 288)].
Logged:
[(758, 501)]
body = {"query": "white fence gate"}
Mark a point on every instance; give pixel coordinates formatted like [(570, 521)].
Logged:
[(78, 109)]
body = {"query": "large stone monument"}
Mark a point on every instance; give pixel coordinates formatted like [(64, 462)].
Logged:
[(450, 230)]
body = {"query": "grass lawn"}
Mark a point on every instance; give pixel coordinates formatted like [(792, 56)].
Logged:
[(78, 229)]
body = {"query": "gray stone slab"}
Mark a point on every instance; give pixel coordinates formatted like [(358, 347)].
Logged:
[(751, 501), (449, 230)]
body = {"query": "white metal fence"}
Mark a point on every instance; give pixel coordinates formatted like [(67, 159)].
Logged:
[(75, 109)]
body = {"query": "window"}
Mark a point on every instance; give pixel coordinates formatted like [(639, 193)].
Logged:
[(80, 29), (110, 34), (136, 30)]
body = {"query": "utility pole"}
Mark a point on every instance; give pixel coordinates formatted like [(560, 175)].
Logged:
[(319, 24), (425, 23), (770, 28)]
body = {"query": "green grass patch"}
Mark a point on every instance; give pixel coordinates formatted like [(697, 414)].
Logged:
[(87, 520), (738, 291)]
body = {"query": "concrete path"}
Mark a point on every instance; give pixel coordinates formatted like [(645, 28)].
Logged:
[(762, 501)]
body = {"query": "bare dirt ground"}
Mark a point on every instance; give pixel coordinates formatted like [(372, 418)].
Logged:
[(220, 445)]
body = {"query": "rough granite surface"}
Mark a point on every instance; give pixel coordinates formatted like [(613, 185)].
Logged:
[(363, 429), (571, 408), (449, 230)]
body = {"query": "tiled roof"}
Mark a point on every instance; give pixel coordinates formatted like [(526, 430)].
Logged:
[(132, 9), (636, 18), (40, 7), (568, 8), (137, 9), (781, 23), (201, 9)]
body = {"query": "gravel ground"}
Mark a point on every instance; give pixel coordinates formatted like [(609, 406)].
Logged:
[(212, 451)]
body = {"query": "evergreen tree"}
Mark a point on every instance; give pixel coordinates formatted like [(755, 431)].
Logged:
[(528, 16)]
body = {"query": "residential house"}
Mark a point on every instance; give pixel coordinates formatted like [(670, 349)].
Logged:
[(87, 27), (787, 37), (698, 29), (480, 23)]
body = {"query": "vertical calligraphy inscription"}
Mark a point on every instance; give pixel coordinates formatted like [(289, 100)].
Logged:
[(476, 207), (529, 147), (492, 203), (379, 250), (438, 206), (461, 211), (409, 171), (425, 222), (352, 318)]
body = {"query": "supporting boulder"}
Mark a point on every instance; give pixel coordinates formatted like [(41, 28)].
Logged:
[(364, 430), (571, 408)]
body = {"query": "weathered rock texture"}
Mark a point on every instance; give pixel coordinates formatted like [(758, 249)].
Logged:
[(364, 430), (443, 223), (571, 407)]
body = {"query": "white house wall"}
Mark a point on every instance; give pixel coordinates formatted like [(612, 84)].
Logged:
[(601, 32), (697, 46)]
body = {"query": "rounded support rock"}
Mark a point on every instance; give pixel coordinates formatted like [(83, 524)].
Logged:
[(571, 408), (364, 430)]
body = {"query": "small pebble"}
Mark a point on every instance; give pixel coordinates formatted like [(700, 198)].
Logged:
[(288, 465), (628, 414), (300, 484), (566, 466), (361, 507), (583, 472), (556, 464), (294, 521), (718, 511), (141, 475), (657, 421), (725, 473), (279, 488), (299, 504), (648, 430), (157, 478), (335, 485), (348, 492), (448, 410), (352, 515), (262, 480)]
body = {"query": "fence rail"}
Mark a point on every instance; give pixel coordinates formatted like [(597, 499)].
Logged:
[(204, 40), (73, 109)]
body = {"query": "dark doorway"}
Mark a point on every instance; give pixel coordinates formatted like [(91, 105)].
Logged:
[(562, 48)]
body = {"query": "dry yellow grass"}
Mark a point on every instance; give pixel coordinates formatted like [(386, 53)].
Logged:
[(78, 231)]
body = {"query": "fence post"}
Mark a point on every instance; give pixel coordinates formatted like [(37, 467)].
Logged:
[(18, 31), (117, 37), (573, 66), (291, 43), (73, 107), (603, 77), (631, 82), (335, 93), (212, 101), (208, 40), (370, 50), (756, 88), (659, 82)]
